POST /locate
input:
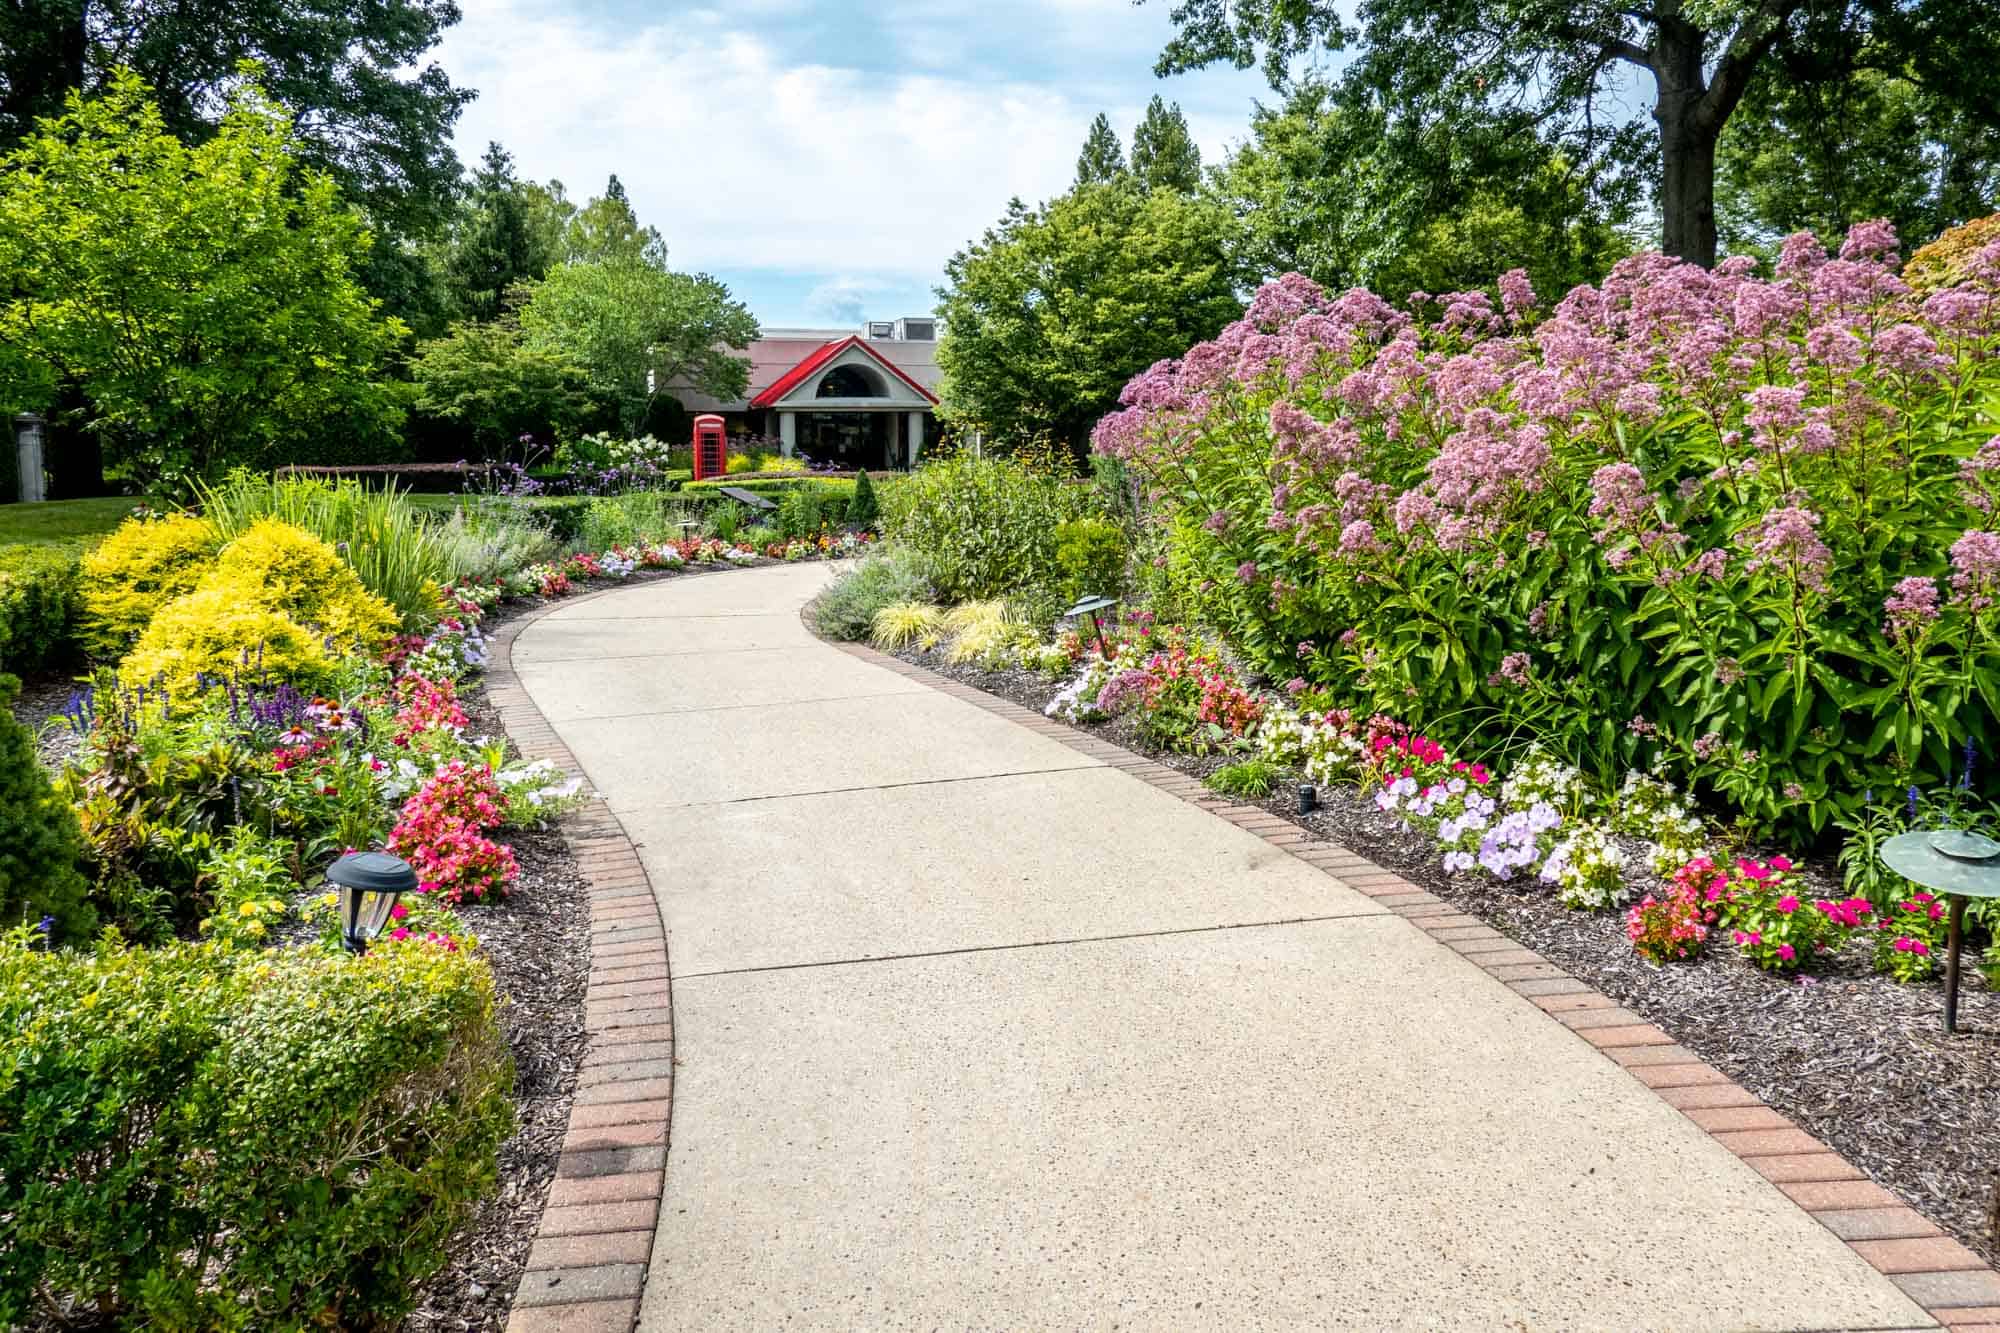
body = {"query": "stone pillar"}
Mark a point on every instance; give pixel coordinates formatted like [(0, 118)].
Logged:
[(788, 433), (916, 436), (28, 456)]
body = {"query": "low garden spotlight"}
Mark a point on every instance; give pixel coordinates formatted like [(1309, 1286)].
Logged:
[(369, 884), (1090, 606), (1957, 865)]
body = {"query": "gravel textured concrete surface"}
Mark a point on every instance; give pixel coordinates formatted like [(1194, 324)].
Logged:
[(974, 1032)]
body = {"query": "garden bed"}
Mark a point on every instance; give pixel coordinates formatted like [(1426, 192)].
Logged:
[(537, 941), (1850, 1056)]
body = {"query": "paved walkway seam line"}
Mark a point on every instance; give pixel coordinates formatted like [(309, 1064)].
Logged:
[(731, 708), (1041, 944), (883, 786)]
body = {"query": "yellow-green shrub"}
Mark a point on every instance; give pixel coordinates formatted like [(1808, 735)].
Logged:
[(1944, 262), (137, 570), (217, 632), (287, 569), (192, 1137), (265, 607)]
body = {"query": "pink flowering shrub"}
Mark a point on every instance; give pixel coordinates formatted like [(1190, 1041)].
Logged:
[(1752, 523), (1768, 921), (441, 833), (1910, 938), (1674, 926), (1184, 696)]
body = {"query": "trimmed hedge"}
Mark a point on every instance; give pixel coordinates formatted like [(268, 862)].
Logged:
[(195, 1138), (39, 605)]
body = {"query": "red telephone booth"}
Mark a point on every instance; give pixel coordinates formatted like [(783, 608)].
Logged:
[(711, 447)]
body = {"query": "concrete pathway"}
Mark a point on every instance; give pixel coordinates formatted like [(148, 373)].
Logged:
[(976, 1032)]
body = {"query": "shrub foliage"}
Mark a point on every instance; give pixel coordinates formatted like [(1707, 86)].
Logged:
[(199, 1138), (1746, 522)]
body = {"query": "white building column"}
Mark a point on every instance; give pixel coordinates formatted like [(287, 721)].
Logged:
[(788, 433), (915, 436)]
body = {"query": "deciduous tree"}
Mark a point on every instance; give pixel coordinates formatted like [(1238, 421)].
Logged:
[(639, 330), (1550, 69), (200, 299), (1050, 312)]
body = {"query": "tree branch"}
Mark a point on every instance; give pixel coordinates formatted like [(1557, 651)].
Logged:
[(1752, 41)]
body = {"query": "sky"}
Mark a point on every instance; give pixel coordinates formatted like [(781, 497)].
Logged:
[(822, 157)]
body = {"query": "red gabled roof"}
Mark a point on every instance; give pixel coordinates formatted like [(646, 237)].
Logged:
[(805, 369)]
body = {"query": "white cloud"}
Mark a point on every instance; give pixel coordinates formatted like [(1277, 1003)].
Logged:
[(751, 150)]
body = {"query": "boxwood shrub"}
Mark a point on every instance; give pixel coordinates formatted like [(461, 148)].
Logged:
[(196, 1138), (39, 605)]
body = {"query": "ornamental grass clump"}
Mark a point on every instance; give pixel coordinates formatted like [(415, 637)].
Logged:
[(1747, 524)]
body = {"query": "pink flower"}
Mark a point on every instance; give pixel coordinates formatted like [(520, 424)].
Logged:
[(1913, 605), (1786, 541), (1787, 952), (1788, 904)]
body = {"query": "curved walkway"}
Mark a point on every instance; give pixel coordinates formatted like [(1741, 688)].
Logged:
[(975, 1030)]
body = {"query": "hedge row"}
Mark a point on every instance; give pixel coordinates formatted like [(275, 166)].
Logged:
[(38, 606)]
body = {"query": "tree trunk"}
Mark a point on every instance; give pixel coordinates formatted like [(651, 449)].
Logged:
[(1687, 195), (1687, 143)]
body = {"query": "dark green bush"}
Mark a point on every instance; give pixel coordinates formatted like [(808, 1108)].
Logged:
[(863, 510), (986, 527), (39, 606), (195, 1138), (1090, 552), (805, 511), (846, 610), (40, 847)]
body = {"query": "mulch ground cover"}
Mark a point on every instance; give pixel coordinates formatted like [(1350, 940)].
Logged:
[(1855, 1058)]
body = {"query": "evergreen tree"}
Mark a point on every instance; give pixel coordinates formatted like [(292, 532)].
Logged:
[(863, 511), (1164, 155), (1102, 158), (607, 228), (39, 842), (497, 246)]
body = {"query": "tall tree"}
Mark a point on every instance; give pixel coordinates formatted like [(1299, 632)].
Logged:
[(1549, 68), (1164, 154), (1049, 313), (1324, 189), (607, 228), (1103, 157), (639, 331), (1826, 154), (201, 300), (486, 380), (497, 244), (366, 107)]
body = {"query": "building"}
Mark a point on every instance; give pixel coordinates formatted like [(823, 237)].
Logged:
[(853, 399)]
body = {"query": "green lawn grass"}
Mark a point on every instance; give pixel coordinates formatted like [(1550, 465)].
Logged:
[(62, 522)]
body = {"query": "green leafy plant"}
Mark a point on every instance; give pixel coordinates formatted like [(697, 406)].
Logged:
[(209, 1139), (39, 606), (803, 512), (986, 527), (846, 610), (863, 509), (1252, 779), (248, 877), (40, 848), (1090, 552)]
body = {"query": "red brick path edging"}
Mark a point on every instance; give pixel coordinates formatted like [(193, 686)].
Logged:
[(588, 1266), (1952, 1283)]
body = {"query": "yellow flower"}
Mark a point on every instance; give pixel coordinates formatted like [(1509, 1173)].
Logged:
[(248, 909), (330, 899)]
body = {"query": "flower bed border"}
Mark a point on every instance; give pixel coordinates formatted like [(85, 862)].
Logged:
[(587, 1269), (1953, 1285)]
